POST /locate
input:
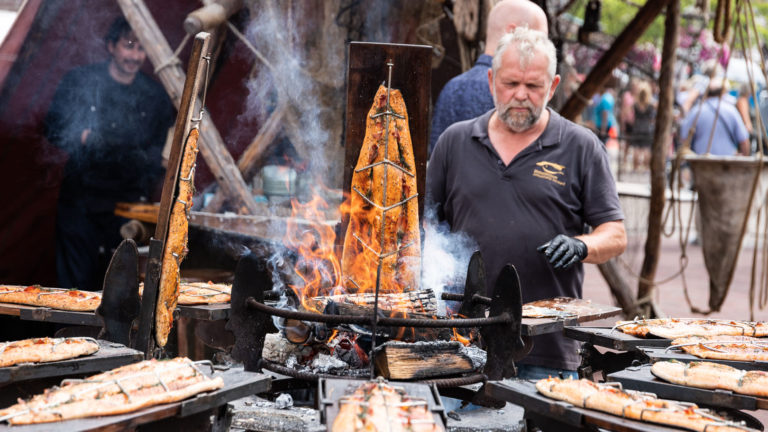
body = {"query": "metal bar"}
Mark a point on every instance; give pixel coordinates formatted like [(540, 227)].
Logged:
[(391, 322), (476, 298)]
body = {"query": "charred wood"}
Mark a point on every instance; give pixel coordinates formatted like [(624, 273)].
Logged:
[(397, 360)]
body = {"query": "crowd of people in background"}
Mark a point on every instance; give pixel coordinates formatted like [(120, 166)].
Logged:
[(623, 116)]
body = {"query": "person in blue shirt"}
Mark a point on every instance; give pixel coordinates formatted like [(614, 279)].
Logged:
[(467, 95), (605, 118), (730, 134)]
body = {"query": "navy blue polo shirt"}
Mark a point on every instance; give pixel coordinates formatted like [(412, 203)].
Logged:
[(556, 185)]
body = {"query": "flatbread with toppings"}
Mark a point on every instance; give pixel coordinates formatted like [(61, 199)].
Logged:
[(737, 348), (42, 350), (122, 390), (673, 328), (378, 406), (635, 405), (55, 298), (710, 375)]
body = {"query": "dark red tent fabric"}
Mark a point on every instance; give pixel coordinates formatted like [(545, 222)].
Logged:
[(50, 37)]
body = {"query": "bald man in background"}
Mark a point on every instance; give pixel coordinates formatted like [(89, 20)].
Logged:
[(467, 95)]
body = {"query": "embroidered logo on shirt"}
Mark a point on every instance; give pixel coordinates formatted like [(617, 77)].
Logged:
[(549, 171)]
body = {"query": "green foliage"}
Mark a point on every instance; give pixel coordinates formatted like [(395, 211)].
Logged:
[(616, 15), (760, 10)]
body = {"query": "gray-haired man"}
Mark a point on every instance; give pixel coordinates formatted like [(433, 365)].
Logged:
[(521, 178)]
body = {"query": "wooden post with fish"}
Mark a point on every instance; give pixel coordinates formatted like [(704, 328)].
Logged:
[(384, 170), (156, 263)]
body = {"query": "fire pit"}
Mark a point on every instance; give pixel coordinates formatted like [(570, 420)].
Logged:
[(367, 292)]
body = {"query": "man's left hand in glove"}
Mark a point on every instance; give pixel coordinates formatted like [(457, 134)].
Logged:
[(563, 251)]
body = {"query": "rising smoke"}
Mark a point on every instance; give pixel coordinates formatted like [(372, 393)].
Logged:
[(289, 75)]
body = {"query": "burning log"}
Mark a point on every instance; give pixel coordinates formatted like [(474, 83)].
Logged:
[(279, 349), (422, 301), (397, 360), (413, 304)]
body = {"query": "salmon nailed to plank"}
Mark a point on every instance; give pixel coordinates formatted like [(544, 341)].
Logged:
[(384, 182), (378, 406), (634, 405), (176, 243), (122, 390)]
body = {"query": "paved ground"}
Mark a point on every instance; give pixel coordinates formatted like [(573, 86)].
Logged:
[(669, 295)]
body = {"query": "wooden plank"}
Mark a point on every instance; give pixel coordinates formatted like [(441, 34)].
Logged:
[(640, 378), (212, 145), (614, 339), (12, 309), (109, 356), (412, 75), (180, 132), (60, 316), (236, 385)]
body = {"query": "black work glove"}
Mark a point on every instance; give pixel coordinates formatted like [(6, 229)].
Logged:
[(563, 251)]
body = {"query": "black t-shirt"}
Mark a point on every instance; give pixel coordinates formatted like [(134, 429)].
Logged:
[(556, 185), (121, 160)]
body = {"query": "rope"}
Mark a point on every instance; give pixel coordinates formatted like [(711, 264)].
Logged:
[(722, 21), (173, 60), (744, 38)]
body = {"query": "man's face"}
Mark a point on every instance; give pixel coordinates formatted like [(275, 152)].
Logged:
[(521, 90), (127, 55)]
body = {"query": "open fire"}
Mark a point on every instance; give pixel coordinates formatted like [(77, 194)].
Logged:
[(380, 266)]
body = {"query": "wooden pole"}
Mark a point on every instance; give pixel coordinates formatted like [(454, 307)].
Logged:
[(658, 152), (211, 15), (171, 76), (604, 67)]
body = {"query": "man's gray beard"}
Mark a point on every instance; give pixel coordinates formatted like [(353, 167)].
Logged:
[(516, 121)]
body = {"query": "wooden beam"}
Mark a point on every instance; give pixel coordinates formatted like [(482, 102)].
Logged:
[(604, 67), (663, 131), (211, 15), (212, 146)]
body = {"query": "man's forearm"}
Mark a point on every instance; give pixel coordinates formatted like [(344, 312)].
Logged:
[(605, 242)]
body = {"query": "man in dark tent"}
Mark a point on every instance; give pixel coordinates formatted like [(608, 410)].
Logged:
[(112, 120)]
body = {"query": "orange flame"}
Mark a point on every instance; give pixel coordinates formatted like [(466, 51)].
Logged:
[(317, 265), (458, 337)]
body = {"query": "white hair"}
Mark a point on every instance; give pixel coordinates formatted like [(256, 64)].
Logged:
[(528, 42)]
